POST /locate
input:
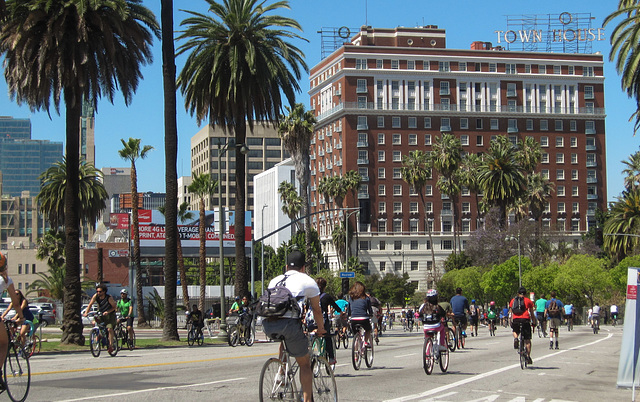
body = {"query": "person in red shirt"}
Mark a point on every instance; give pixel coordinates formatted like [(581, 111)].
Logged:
[(521, 308)]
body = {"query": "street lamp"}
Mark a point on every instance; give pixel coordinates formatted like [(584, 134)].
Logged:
[(346, 235), (262, 253), (222, 149), (511, 238)]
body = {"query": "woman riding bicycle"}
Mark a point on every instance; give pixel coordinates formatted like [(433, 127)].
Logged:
[(27, 324), (359, 310), (433, 316), (327, 300)]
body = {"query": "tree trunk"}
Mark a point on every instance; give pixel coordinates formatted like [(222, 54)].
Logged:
[(71, 321), (172, 251), (183, 277), (428, 227), (100, 265), (241, 279), (203, 255), (142, 322)]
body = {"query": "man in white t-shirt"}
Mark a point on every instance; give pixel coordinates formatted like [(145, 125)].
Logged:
[(303, 288), (7, 284)]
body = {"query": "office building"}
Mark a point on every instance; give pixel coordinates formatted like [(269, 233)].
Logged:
[(391, 91), (20, 218), (116, 180)]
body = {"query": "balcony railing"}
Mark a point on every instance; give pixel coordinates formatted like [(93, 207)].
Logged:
[(363, 196), (592, 164), (590, 147), (592, 196), (592, 180), (363, 144), (363, 161)]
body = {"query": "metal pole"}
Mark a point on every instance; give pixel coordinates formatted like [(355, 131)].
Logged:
[(346, 241), (262, 253), (519, 263), (223, 319)]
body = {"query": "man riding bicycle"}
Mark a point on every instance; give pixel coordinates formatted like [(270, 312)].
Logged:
[(460, 308), (595, 316), (540, 306), (195, 317), (107, 308), (125, 306), (522, 312)]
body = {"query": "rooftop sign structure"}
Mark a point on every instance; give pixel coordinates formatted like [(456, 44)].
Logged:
[(561, 33)]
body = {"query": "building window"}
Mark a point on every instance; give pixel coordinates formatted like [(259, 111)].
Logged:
[(588, 72), (444, 88), (446, 245), (381, 138), (427, 139), (396, 140), (479, 140), (428, 190), (397, 207), (413, 139), (511, 89), (589, 127), (362, 123), (379, 64), (381, 189), (560, 158), (574, 158), (397, 225), (380, 121), (464, 123), (545, 174), (443, 66), (382, 207), (557, 70), (559, 142), (413, 122), (559, 126), (492, 67), (413, 207), (544, 157), (561, 207), (573, 141), (413, 226), (411, 65), (464, 140), (560, 174), (380, 156), (397, 173), (560, 191), (529, 124), (382, 226), (588, 92), (361, 86), (462, 66), (544, 141), (364, 245), (542, 69), (382, 266), (414, 265), (494, 124), (397, 156), (395, 64), (574, 174), (573, 125), (544, 125), (361, 64), (19, 268), (427, 122), (574, 193), (397, 265), (397, 189), (510, 69), (395, 122)]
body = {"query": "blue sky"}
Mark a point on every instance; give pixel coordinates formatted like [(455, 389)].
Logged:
[(464, 22)]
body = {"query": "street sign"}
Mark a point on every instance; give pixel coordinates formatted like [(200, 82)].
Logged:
[(347, 274)]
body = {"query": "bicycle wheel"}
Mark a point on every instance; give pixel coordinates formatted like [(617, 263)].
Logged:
[(451, 339), (94, 342), (17, 373), (114, 349), (273, 384), (368, 354), (337, 340), (428, 358), (121, 338), (191, 336), (200, 337), (444, 360), (460, 338), (33, 345), (248, 337), (356, 350), (131, 341), (233, 337), (345, 340), (522, 353), (324, 383)]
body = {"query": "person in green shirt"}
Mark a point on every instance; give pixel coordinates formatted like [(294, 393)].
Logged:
[(125, 307), (540, 306)]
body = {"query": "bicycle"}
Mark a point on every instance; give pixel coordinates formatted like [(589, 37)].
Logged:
[(432, 353), (614, 319), (451, 337), (522, 350), (342, 335), (278, 379), (359, 348), (410, 325), (99, 338), (492, 327), (460, 339), (569, 324), (596, 323), (318, 347), (123, 335), (241, 332), (194, 334), (17, 370), (33, 344)]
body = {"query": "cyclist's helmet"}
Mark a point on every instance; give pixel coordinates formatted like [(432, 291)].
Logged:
[(473, 300), (124, 292), (432, 296), (492, 303)]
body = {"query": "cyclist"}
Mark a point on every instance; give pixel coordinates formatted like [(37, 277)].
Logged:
[(522, 309), (360, 310), (409, 319), (340, 318), (236, 306), (553, 312), (614, 314), (504, 317), (595, 315), (568, 314), (492, 314), (107, 307), (376, 306), (6, 283), (125, 306), (432, 316), (473, 317), (460, 306), (196, 317), (289, 326), (541, 304), (27, 324), (326, 301)]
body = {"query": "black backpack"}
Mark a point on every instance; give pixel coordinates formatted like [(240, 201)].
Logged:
[(518, 306), (275, 302), (553, 309)]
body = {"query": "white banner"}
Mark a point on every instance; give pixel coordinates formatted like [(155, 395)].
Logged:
[(628, 365)]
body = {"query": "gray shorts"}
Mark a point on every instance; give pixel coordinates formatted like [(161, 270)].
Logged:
[(291, 329), (554, 323)]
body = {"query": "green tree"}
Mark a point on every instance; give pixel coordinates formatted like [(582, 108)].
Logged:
[(501, 282), (239, 66), (393, 289), (132, 151), (541, 279), (296, 130), (416, 171), (202, 186), (446, 159), (583, 276), (74, 50), (291, 202), (457, 261), (624, 220), (501, 177), (632, 171), (51, 248), (172, 252)]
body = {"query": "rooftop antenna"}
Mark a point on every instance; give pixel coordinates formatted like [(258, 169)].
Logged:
[(366, 13)]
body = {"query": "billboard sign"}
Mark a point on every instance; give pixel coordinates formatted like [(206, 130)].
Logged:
[(119, 221)]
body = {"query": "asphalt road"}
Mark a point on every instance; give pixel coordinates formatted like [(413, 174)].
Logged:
[(584, 369)]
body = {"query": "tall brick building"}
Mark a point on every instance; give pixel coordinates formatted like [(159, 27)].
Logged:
[(391, 91)]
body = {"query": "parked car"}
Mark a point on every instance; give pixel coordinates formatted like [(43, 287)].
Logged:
[(47, 316), (87, 320), (3, 307)]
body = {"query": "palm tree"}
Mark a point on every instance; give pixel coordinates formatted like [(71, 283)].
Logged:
[(240, 65), (416, 171), (351, 182), (538, 192), (624, 219), (501, 177), (132, 152), (74, 50), (469, 169), (296, 130), (183, 215), (446, 158), (291, 201), (632, 171), (172, 249), (624, 44), (529, 154), (51, 249), (202, 186)]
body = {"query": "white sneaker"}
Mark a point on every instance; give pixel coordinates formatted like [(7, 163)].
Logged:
[(279, 379)]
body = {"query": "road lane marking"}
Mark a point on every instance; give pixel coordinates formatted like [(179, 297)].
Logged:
[(456, 384), (92, 397), (149, 365), (410, 354)]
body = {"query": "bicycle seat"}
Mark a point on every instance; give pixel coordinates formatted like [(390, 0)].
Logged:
[(276, 337)]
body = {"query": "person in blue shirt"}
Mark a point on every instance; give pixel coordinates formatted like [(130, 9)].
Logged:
[(460, 308), (553, 312)]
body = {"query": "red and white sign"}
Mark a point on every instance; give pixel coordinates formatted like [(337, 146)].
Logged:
[(119, 221), (632, 292)]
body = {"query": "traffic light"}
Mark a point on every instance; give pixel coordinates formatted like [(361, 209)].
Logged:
[(345, 286)]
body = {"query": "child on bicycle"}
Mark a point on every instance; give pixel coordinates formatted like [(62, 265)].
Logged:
[(432, 316)]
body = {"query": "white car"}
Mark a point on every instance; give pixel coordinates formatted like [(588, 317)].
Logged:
[(87, 320)]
